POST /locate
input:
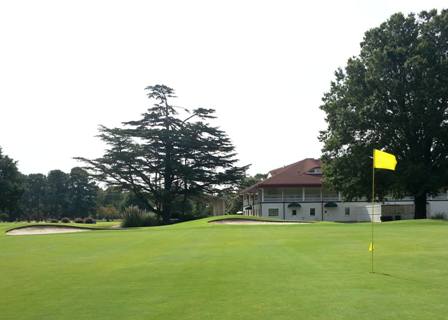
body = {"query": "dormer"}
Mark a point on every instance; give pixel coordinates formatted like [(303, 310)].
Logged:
[(315, 170)]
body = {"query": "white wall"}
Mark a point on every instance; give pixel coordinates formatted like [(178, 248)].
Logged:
[(303, 213), (437, 207), (359, 211)]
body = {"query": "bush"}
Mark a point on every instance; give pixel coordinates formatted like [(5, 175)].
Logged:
[(54, 220), (135, 217), (79, 220), (386, 218), (65, 220), (89, 220), (439, 216), (3, 217)]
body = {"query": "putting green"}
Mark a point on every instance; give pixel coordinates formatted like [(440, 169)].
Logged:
[(198, 270)]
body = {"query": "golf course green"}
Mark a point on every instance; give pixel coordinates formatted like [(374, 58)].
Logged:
[(200, 270)]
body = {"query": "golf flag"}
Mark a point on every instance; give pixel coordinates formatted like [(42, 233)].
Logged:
[(383, 160), (371, 247)]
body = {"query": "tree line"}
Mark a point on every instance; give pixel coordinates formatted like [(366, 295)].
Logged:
[(42, 197), (172, 162), (73, 195)]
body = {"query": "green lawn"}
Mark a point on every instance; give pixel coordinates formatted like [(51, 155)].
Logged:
[(196, 270)]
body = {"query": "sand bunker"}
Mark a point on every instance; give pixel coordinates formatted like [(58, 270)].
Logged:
[(44, 230), (254, 222)]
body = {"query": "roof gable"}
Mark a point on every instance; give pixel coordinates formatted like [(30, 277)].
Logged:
[(294, 175)]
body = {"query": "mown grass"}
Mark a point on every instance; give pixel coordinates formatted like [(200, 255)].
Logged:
[(197, 270)]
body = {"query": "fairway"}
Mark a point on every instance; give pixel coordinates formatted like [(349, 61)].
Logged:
[(197, 270)]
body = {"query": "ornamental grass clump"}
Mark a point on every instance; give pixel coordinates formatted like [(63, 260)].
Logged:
[(79, 220), (89, 220), (135, 217)]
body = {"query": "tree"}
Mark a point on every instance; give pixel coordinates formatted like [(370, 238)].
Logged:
[(392, 96), (33, 203), (10, 186), (57, 201), (166, 155), (111, 197), (108, 213), (130, 199), (82, 192), (234, 200)]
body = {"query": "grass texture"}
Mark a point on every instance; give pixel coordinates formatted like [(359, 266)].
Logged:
[(199, 270)]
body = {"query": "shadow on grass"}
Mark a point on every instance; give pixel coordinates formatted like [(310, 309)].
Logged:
[(392, 276)]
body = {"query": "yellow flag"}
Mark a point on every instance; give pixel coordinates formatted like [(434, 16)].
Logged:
[(384, 160), (371, 247)]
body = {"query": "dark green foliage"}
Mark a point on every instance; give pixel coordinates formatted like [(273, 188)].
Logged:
[(130, 199), (135, 217), (34, 200), (81, 193), (54, 220), (171, 154), (11, 187), (65, 220), (78, 220), (57, 193), (393, 96), (4, 217), (111, 197)]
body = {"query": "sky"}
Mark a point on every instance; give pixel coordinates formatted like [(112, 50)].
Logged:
[(68, 66)]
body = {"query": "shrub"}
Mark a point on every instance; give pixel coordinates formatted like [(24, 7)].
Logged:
[(65, 220), (135, 217), (386, 218), (79, 220), (3, 217), (439, 216), (54, 220), (89, 220)]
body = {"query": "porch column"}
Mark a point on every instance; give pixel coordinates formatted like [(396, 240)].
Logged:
[(253, 204), (283, 201)]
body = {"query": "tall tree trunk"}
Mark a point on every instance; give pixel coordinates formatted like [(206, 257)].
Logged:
[(184, 203), (420, 206), (166, 212)]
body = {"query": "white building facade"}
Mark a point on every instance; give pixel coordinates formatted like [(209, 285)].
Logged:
[(295, 192)]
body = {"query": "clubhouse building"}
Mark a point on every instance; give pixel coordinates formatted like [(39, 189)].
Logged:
[(295, 192)]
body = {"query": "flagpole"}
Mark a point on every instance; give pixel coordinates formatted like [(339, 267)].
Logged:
[(373, 213)]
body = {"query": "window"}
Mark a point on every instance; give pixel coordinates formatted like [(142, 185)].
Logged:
[(312, 211), (294, 212), (273, 212), (316, 170), (347, 211)]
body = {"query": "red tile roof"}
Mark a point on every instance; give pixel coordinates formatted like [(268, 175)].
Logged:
[(293, 175)]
